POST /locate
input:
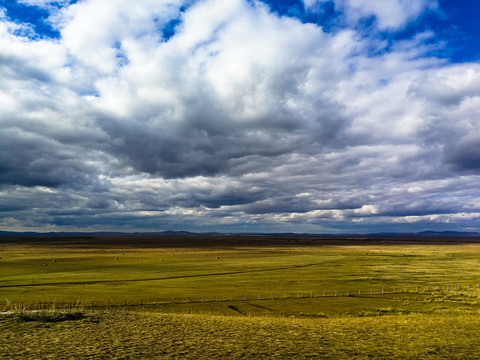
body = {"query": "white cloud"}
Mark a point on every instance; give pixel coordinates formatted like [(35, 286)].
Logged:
[(450, 85), (366, 210), (93, 30)]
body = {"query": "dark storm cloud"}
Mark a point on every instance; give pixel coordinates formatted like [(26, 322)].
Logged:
[(29, 160), (464, 155), (452, 124), (189, 151)]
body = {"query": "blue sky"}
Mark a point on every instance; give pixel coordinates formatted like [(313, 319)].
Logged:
[(454, 22), (239, 116)]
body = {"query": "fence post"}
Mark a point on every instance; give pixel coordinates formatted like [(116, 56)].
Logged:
[(359, 293), (230, 297), (382, 291), (323, 292), (347, 293), (285, 294), (298, 294), (405, 289), (394, 290), (258, 296), (371, 291), (458, 286)]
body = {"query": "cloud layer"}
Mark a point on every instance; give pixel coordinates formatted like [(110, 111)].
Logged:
[(225, 116)]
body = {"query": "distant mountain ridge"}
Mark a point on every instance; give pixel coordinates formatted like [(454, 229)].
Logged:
[(86, 233), (427, 233)]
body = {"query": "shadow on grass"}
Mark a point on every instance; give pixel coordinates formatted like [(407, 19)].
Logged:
[(48, 315), (234, 308)]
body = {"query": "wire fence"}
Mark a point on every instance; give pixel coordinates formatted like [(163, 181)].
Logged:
[(458, 289)]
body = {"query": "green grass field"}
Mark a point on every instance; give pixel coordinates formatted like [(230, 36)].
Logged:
[(441, 321)]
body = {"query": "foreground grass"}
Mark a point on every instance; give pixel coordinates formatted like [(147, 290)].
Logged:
[(144, 335)]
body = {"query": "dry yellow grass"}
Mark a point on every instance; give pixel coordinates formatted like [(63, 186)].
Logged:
[(145, 335)]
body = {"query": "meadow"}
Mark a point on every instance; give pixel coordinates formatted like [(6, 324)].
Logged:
[(230, 297)]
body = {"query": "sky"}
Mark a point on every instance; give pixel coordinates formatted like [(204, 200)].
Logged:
[(318, 116)]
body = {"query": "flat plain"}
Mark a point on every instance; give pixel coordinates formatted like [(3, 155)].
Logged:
[(146, 297)]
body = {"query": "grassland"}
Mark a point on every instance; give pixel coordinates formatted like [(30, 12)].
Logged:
[(441, 322), (145, 335)]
